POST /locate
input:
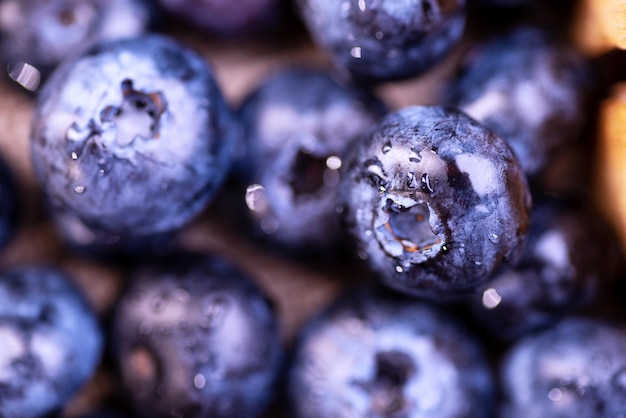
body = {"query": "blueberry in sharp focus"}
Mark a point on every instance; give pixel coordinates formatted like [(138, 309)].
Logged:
[(435, 202), (377, 40), (50, 341), (528, 86), (133, 137), (298, 126), (376, 354), (575, 369), (193, 337), (42, 33), (571, 259)]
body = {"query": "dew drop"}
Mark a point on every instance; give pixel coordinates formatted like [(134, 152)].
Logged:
[(333, 162), (399, 269), (25, 75), (256, 198), (356, 52), (494, 238), (491, 298), (74, 156), (199, 381), (379, 35), (79, 189), (555, 394), (362, 5), (101, 172)]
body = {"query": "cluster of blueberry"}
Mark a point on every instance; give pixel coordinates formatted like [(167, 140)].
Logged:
[(487, 278)]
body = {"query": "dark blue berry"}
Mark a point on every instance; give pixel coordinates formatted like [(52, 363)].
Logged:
[(530, 88), (195, 338), (381, 39), (572, 256), (435, 201), (298, 126), (133, 137), (575, 369), (42, 33), (50, 341), (228, 18), (374, 354)]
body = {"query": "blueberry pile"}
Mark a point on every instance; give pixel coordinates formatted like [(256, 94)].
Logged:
[(304, 208)]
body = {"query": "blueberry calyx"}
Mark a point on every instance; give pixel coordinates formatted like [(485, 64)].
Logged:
[(308, 173)]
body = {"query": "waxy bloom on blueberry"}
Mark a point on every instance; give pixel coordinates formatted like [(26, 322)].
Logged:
[(133, 137), (435, 201)]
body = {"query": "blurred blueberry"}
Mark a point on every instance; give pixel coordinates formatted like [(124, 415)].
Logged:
[(298, 126), (228, 18), (133, 137), (528, 86), (42, 33), (377, 40), (193, 337), (572, 257), (376, 354), (50, 341), (436, 202), (575, 369)]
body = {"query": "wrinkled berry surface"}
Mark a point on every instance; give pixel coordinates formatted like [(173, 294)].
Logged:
[(374, 354), (133, 136), (195, 337), (435, 201), (50, 341)]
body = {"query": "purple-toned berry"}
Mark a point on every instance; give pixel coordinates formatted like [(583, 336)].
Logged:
[(436, 202)]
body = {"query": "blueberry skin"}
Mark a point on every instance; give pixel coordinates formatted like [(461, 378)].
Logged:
[(377, 355), (43, 33), (378, 40), (195, 336), (435, 202), (227, 18), (51, 341), (575, 369), (529, 87), (568, 263), (133, 137), (298, 126)]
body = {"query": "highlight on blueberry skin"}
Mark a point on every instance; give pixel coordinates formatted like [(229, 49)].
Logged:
[(298, 125), (378, 40), (435, 202), (36, 35), (50, 340), (192, 336), (528, 86), (133, 137), (377, 354), (574, 369), (569, 263)]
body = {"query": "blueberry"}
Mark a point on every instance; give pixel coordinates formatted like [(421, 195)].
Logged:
[(529, 87), (378, 40), (435, 201), (227, 18), (133, 137), (298, 126), (194, 337), (50, 338), (568, 263), (374, 354), (575, 369), (42, 33)]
